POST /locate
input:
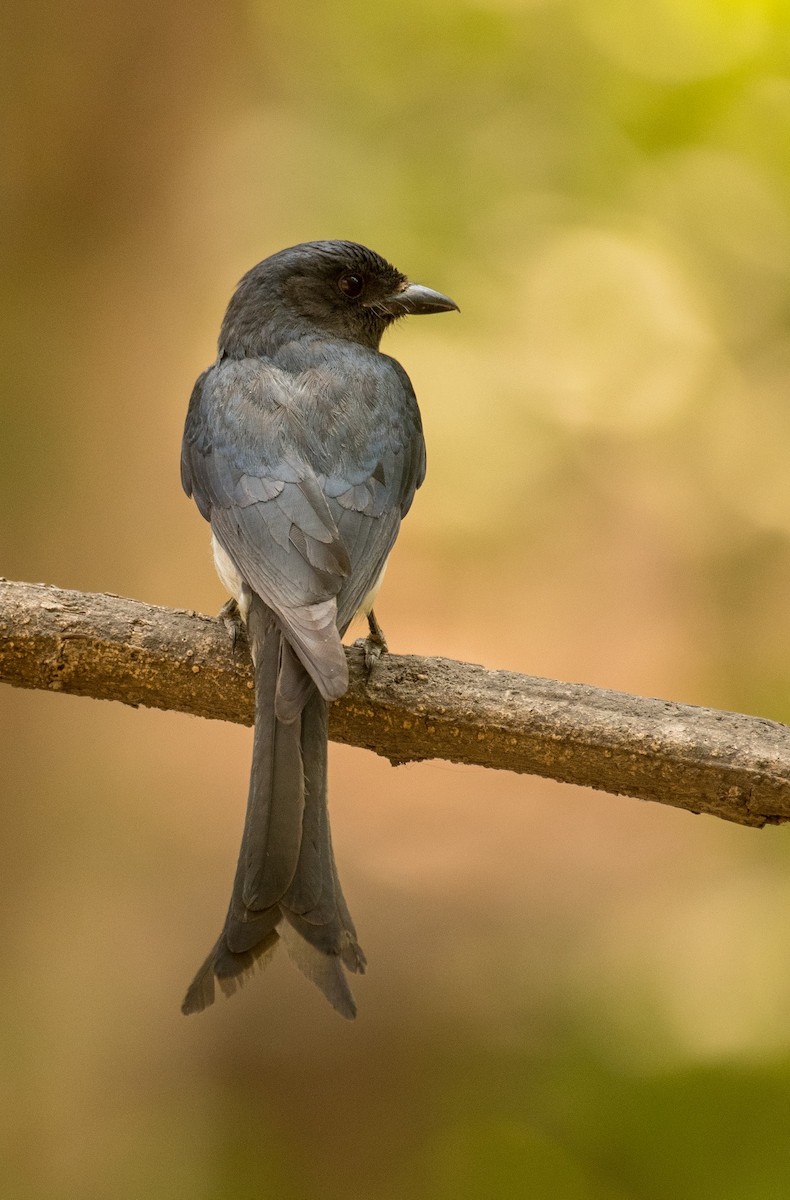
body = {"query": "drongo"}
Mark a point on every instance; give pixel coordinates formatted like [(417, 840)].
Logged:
[(303, 449)]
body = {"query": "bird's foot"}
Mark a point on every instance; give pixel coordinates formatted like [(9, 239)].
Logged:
[(375, 644), (230, 616)]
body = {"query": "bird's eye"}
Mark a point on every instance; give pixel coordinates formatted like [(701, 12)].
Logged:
[(351, 286)]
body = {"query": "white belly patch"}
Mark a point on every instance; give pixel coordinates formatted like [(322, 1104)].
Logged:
[(230, 577), (370, 599)]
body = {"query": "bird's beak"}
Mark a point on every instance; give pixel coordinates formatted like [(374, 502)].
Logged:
[(413, 298)]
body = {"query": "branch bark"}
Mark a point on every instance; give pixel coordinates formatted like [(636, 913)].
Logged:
[(729, 765)]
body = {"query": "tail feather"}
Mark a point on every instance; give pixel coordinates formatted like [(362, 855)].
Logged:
[(322, 969), (314, 905), (312, 889), (294, 686), (200, 993), (273, 826), (245, 928), (286, 883), (230, 968)]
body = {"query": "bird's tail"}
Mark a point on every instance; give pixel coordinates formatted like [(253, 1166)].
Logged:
[(286, 883)]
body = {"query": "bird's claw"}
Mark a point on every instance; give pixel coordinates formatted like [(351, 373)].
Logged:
[(374, 645), (230, 616)]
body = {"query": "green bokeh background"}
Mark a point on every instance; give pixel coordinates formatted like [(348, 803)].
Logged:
[(570, 995)]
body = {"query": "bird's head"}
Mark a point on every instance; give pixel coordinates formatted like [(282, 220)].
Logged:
[(337, 288)]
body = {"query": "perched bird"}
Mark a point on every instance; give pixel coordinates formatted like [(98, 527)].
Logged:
[(303, 448)]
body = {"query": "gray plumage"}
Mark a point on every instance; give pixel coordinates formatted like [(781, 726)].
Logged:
[(303, 448)]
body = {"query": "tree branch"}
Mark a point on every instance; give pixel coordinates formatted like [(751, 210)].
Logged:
[(732, 766)]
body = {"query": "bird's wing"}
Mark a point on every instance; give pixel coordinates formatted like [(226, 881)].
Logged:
[(373, 478), (246, 459)]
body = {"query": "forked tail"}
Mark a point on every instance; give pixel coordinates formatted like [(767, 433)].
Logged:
[(286, 883)]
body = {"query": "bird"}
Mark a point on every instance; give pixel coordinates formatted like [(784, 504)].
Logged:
[(303, 449)]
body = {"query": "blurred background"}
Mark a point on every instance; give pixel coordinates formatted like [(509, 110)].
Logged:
[(570, 995)]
